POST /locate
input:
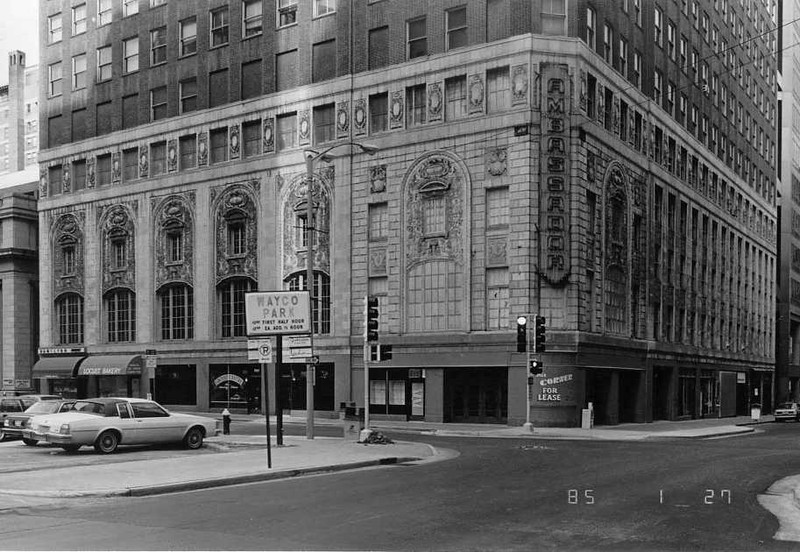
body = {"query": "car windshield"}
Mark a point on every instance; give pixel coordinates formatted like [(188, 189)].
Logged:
[(786, 405), (89, 407), (43, 407)]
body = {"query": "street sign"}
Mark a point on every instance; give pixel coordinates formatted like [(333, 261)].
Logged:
[(298, 342), (260, 350), (277, 312), (150, 361), (312, 359)]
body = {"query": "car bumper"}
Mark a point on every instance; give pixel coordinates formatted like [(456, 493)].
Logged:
[(785, 416), (12, 432), (58, 439), (28, 434)]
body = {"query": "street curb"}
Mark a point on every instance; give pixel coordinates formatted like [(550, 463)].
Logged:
[(150, 490), (609, 437)]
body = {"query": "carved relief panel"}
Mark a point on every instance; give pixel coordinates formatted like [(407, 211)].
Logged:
[(435, 101), (236, 230), (44, 181), (360, 116), (117, 239), (616, 250), (174, 238), (268, 135), (475, 94), (519, 85), (68, 253), (293, 215), (343, 119), (396, 109)]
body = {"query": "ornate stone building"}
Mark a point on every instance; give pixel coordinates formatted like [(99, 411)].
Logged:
[(529, 163)]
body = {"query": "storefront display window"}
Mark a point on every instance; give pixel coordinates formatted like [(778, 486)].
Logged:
[(175, 384)]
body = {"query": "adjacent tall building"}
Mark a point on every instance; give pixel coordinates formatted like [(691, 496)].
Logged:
[(19, 115), (608, 165)]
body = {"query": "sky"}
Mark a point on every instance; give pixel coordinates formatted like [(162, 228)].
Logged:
[(19, 30)]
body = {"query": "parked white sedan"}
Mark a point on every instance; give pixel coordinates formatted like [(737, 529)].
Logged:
[(108, 422)]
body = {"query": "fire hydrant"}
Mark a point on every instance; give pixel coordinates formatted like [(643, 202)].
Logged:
[(226, 422)]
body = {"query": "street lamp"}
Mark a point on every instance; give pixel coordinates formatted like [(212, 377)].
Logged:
[(311, 157)]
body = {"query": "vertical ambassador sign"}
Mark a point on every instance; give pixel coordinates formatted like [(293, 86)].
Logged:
[(277, 312)]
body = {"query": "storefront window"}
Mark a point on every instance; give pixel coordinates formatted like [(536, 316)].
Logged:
[(686, 392), (175, 384), (235, 386)]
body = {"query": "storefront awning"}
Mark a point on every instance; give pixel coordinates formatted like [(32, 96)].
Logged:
[(111, 365), (56, 367)]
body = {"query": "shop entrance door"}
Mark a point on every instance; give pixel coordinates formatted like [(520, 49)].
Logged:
[(476, 395), (662, 378)]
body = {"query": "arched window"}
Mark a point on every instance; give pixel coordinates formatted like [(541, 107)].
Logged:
[(120, 306), (177, 311), (321, 308), (69, 309), (230, 297), (173, 235)]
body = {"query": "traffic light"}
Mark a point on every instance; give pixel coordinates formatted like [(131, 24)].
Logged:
[(536, 367), (372, 318), (539, 337), (522, 334)]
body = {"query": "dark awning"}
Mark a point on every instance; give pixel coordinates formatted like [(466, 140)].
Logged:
[(56, 367), (111, 365)]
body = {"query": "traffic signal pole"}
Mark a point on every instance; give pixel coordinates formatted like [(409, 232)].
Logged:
[(528, 426)]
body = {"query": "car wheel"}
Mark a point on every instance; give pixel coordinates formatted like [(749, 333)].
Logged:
[(194, 438), (30, 442), (70, 448), (107, 442)]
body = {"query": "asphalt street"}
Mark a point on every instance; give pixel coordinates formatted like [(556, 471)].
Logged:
[(499, 494)]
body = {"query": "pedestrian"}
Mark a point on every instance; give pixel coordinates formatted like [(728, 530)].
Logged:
[(226, 422)]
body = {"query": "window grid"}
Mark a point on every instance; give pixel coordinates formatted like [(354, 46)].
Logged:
[(79, 72), (130, 55), (237, 238), (324, 7), (378, 112), (321, 307), (121, 316), (104, 67), (378, 225), (251, 18), (158, 46), (175, 246), (457, 28), (158, 103), (219, 27), (188, 36), (497, 308), (455, 93), (79, 19), (177, 313), (188, 151), (498, 89), (251, 138), (54, 79), (232, 307), (188, 92), (54, 28), (497, 211), (417, 39), (70, 319), (416, 109), (434, 297), (104, 12), (130, 7), (286, 135), (287, 12)]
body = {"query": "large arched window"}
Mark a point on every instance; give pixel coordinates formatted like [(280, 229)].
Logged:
[(321, 309), (177, 311), (120, 307), (69, 309), (230, 298)]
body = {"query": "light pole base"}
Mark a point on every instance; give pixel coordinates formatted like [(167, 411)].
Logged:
[(527, 427)]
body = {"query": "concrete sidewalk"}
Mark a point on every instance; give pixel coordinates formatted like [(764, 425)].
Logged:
[(298, 456)]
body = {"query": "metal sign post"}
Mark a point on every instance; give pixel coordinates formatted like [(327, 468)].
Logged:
[(265, 401)]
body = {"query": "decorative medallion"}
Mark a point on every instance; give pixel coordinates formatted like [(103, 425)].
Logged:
[(116, 168), (360, 115), (43, 181), (66, 184), (377, 179), (90, 172), (496, 161), (268, 132), (202, 148), (396, 110), (144, 164), (475, 91), (496, 251), (343, 119), (304, 126), (233, 140), (172, 155), (519, 85), (435, 101)]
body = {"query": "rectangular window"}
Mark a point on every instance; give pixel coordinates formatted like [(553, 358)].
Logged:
[(104, 12), (251, 136), (497, 212), (218, 88), (498, 89), (188, 36), (130, 164), (286, 70), (79, 72), (323, 61), (156, 3), (188, 151), (671, 40), (103, 171), (623, 57), (415, 105), (554, 17), (498, 313), (417, 38), (54, 28), (177, 309), (324, 7), (54, 79), (130, 7), (608, 40), (219, 145), (158, 46), (378, 112), (158, 103), (104, 63), (378, 222), (456, 28), (130, 55), (251, 79), (130, 111), (219, 26), (104, 119), (54, 131), (55, 175), (455, 94), (591, 28), (658, 87), (658, 27), (324, 124), (188, 93), (79, 175), (158, 158), (378, 47), (120, 306), (79, 19), (251, 18), (70, 319), (286, 135), (287, 12)]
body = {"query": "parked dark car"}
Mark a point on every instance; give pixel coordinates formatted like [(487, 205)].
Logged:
[(19, 404), (15, 422)]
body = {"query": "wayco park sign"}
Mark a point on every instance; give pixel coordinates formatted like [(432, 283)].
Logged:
[(277, 312)]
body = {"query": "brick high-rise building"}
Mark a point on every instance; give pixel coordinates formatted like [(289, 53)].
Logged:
[(19, 115), (609, 166)]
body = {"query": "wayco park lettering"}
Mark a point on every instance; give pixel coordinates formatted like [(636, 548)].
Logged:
[(277, 312)]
